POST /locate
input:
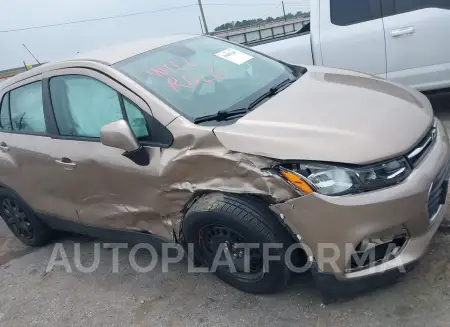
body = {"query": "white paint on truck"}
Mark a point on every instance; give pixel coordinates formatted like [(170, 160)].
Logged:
[(406, 41), (418, 47), (294, 50)]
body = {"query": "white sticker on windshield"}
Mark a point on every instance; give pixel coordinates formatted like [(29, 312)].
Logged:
[(234, 56)]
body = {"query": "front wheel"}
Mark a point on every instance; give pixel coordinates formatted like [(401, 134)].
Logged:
[(221, 226)]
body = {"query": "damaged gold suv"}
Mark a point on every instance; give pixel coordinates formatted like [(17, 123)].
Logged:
[(197, 140)]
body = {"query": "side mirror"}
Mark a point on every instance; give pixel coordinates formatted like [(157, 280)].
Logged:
[(119, 135)]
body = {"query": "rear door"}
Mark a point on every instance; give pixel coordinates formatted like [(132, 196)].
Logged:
[(106, 188), (418, 42), (26, 164), (352, 36)]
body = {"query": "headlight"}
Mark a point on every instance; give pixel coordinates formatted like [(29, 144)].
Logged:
[(336, 180)]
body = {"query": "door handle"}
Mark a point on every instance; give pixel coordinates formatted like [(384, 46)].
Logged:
[(4, 147), (400, 32), (67, 163)]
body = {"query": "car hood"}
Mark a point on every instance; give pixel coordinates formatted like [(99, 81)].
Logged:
[(333, 115)]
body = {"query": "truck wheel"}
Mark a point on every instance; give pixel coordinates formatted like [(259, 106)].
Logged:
[(217, 222), (22, 221)]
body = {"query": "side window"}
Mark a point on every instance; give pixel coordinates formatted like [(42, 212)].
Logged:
[(402, 6), (348, 12), (83, 105), (27, 110), (5, 121), (136, 120)]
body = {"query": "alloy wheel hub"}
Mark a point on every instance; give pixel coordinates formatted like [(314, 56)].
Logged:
[(16, 218)]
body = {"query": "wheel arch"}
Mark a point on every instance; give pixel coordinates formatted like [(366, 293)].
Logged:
[(265, 199), (10, 189)]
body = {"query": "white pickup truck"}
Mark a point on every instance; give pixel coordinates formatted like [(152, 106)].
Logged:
[(406, 41)]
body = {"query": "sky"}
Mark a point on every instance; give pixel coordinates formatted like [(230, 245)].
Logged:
[(59, 42)]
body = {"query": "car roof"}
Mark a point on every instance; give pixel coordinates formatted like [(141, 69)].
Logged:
[(2, 81), (106, 55), (119, 52)]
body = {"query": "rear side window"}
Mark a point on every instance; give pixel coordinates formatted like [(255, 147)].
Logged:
[(392, 7), (349, 12), (26, 109)]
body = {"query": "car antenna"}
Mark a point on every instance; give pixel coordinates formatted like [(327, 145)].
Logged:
[(31, 53)]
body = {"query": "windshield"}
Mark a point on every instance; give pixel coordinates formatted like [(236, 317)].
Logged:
[(203, 75)]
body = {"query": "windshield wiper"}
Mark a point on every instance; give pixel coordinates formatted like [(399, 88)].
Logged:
[(222, 115), (272, 91)]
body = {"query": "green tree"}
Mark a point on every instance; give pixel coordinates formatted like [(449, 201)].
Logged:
[(258, 21)]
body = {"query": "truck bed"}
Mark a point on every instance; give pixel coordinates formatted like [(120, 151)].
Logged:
[(295, 49)]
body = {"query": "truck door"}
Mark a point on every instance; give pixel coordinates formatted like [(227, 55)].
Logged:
[(418, 42), (352, 36)]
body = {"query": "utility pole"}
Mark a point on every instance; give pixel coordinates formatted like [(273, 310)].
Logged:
[(31, 54), (201, 26), (284, 11), (203, 16)]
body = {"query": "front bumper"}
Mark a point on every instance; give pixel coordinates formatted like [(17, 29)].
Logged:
[(330, 227)]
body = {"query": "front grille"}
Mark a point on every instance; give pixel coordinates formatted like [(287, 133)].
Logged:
[(421, 150), (378, 249), (437, 193)]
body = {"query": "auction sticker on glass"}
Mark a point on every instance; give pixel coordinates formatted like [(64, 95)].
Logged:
[(233, 55)]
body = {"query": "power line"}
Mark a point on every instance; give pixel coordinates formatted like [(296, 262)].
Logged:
[(250, 4), (143, 13), (306, 4), (298, 2), (96, 19), (271, 12), (240, 4), (296, 6)]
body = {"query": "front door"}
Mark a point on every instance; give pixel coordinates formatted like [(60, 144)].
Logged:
[(418, 42), (106, 188)]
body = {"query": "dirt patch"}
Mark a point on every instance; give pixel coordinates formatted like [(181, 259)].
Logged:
[(10, 246)]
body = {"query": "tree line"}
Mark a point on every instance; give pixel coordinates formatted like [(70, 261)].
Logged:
[(259, 21)]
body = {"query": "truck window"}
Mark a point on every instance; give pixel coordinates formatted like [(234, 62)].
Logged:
[(349, 12), (394, 7)]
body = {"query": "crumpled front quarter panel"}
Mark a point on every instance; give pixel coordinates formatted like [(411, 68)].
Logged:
[(154, 198), (197, 162)]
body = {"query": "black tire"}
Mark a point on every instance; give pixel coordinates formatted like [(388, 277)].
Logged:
[(251, 218), (22, 221)]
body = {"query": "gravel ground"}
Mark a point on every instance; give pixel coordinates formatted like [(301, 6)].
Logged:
[(31, 297)]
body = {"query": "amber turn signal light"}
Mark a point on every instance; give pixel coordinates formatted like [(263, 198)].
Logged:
[(297, 181)]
